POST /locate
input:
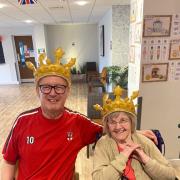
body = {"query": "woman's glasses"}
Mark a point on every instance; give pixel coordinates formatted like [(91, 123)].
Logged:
[(46, 89), (121, 122)]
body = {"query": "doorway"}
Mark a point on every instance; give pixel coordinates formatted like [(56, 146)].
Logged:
[(24, 52)]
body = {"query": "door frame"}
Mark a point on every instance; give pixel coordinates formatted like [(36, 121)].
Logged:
[(16, 61)]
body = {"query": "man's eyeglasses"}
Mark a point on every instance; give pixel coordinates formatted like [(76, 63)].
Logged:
[(46, 89), (114, 123)]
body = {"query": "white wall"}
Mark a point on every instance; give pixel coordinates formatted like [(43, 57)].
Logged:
[(120, 34), (39, 38), (85, 39), (161, 100), (7, 70), (106, 60)]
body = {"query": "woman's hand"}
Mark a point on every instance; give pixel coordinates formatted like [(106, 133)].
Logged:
[(140, 155), (129, 148)]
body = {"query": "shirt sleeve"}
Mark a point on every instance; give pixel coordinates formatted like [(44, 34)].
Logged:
[(10, 149), (89, 131), (157, 167)]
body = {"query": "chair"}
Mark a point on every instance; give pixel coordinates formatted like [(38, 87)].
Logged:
[(98, 80), (95, 116), (91, 70)]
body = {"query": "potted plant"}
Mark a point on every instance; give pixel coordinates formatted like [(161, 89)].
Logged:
[(118, 75)]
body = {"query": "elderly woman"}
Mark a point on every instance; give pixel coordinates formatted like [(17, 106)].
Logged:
[(123, 153)]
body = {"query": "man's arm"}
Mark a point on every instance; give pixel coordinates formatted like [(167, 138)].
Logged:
[(7, 171), (149, 134)]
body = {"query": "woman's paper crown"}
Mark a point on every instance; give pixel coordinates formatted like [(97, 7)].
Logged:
[(47, 68), (118, 104)]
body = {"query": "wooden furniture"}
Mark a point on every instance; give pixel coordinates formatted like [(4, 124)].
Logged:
[(97, 80), (91, 70)]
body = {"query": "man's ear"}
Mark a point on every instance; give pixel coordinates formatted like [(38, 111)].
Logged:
[(37, 90)]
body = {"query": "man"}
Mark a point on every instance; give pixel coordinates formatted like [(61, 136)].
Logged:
[(45, 141)]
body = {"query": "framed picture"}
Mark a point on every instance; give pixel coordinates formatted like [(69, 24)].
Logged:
[(102, 40), (138, 33), (157, 26), (154, 72), (133, 11), (132, 54), (174, 50)]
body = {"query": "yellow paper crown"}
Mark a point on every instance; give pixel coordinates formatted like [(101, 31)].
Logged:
[(118, 104), (47, 68)]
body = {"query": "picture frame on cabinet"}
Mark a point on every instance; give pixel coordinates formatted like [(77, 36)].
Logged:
[(157, 25), (154, 72)]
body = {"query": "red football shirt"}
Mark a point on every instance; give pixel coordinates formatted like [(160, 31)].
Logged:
[(47, 149)]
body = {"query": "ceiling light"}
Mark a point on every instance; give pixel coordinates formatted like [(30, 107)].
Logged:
[(28, 21), (2, 5), (81, 3)]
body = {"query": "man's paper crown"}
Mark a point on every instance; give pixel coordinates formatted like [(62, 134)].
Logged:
[(118, 104), (47, 68)]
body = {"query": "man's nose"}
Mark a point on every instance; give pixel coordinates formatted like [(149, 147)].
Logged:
[(53, 92)]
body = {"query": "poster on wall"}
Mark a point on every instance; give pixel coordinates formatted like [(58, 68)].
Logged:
[(175, 25), (155, 49), (174, 51), (133, 10), (22, 53), (154, 72), (174, 70), (138, 33), (157, 26)]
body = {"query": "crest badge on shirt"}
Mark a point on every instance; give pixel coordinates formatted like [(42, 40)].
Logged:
[(69, 135)]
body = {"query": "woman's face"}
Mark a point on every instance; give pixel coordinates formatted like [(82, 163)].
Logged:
[(119, 127)]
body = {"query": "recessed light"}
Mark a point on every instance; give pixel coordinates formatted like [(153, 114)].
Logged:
[(2, 5), (28, 21), (81, 3)]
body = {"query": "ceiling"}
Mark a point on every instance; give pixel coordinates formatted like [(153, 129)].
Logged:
[(54, 12)]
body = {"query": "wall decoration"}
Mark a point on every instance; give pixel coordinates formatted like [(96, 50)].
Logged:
[(102, 40), (41, 50), (132, 54), (155, 49), (157, 26), (154, 72), (133, 10), (138, 34), (2, 59), (174, 70), (175, 25), (174, 51), (139, 10)]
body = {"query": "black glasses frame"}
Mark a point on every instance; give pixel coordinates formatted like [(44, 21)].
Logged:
[(46, 88)]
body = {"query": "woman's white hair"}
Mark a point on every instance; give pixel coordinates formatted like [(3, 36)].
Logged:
[(114, 115)]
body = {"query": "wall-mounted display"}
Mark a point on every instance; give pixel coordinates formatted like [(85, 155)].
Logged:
[(102, 40), (174, 51), (155, 49), (154, 72), (157, 26)]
